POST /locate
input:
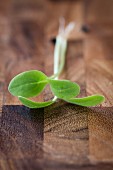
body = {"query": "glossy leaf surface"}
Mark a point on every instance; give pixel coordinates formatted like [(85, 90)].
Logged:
[(87, 101), (32, 104), (28, 84), (64, 89)]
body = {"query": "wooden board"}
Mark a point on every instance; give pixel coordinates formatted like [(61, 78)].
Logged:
[(62, 136)]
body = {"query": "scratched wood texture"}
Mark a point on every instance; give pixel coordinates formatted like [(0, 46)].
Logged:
[(62, 136)]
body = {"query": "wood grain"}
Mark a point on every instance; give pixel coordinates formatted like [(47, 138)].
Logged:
[(100, 123), (99, 61), (98, 10), (99, 78), (60, 130), (62, 136)]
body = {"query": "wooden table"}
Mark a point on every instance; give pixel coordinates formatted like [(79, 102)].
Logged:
[(62, 136)]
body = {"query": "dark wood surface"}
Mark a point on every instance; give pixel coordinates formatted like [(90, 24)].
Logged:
[(62, 136)]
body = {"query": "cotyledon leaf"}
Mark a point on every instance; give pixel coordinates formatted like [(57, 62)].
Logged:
[(87, 101), (28, 84), (32, 104), (64, 89)]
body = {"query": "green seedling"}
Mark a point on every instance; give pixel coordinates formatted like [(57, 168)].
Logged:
[(32, 83)]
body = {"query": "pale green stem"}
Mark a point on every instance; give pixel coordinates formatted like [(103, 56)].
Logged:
[(56, 59), (60, 50), (59, 57)]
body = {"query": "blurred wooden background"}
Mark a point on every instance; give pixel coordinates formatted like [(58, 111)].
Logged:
[(62, 136)]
